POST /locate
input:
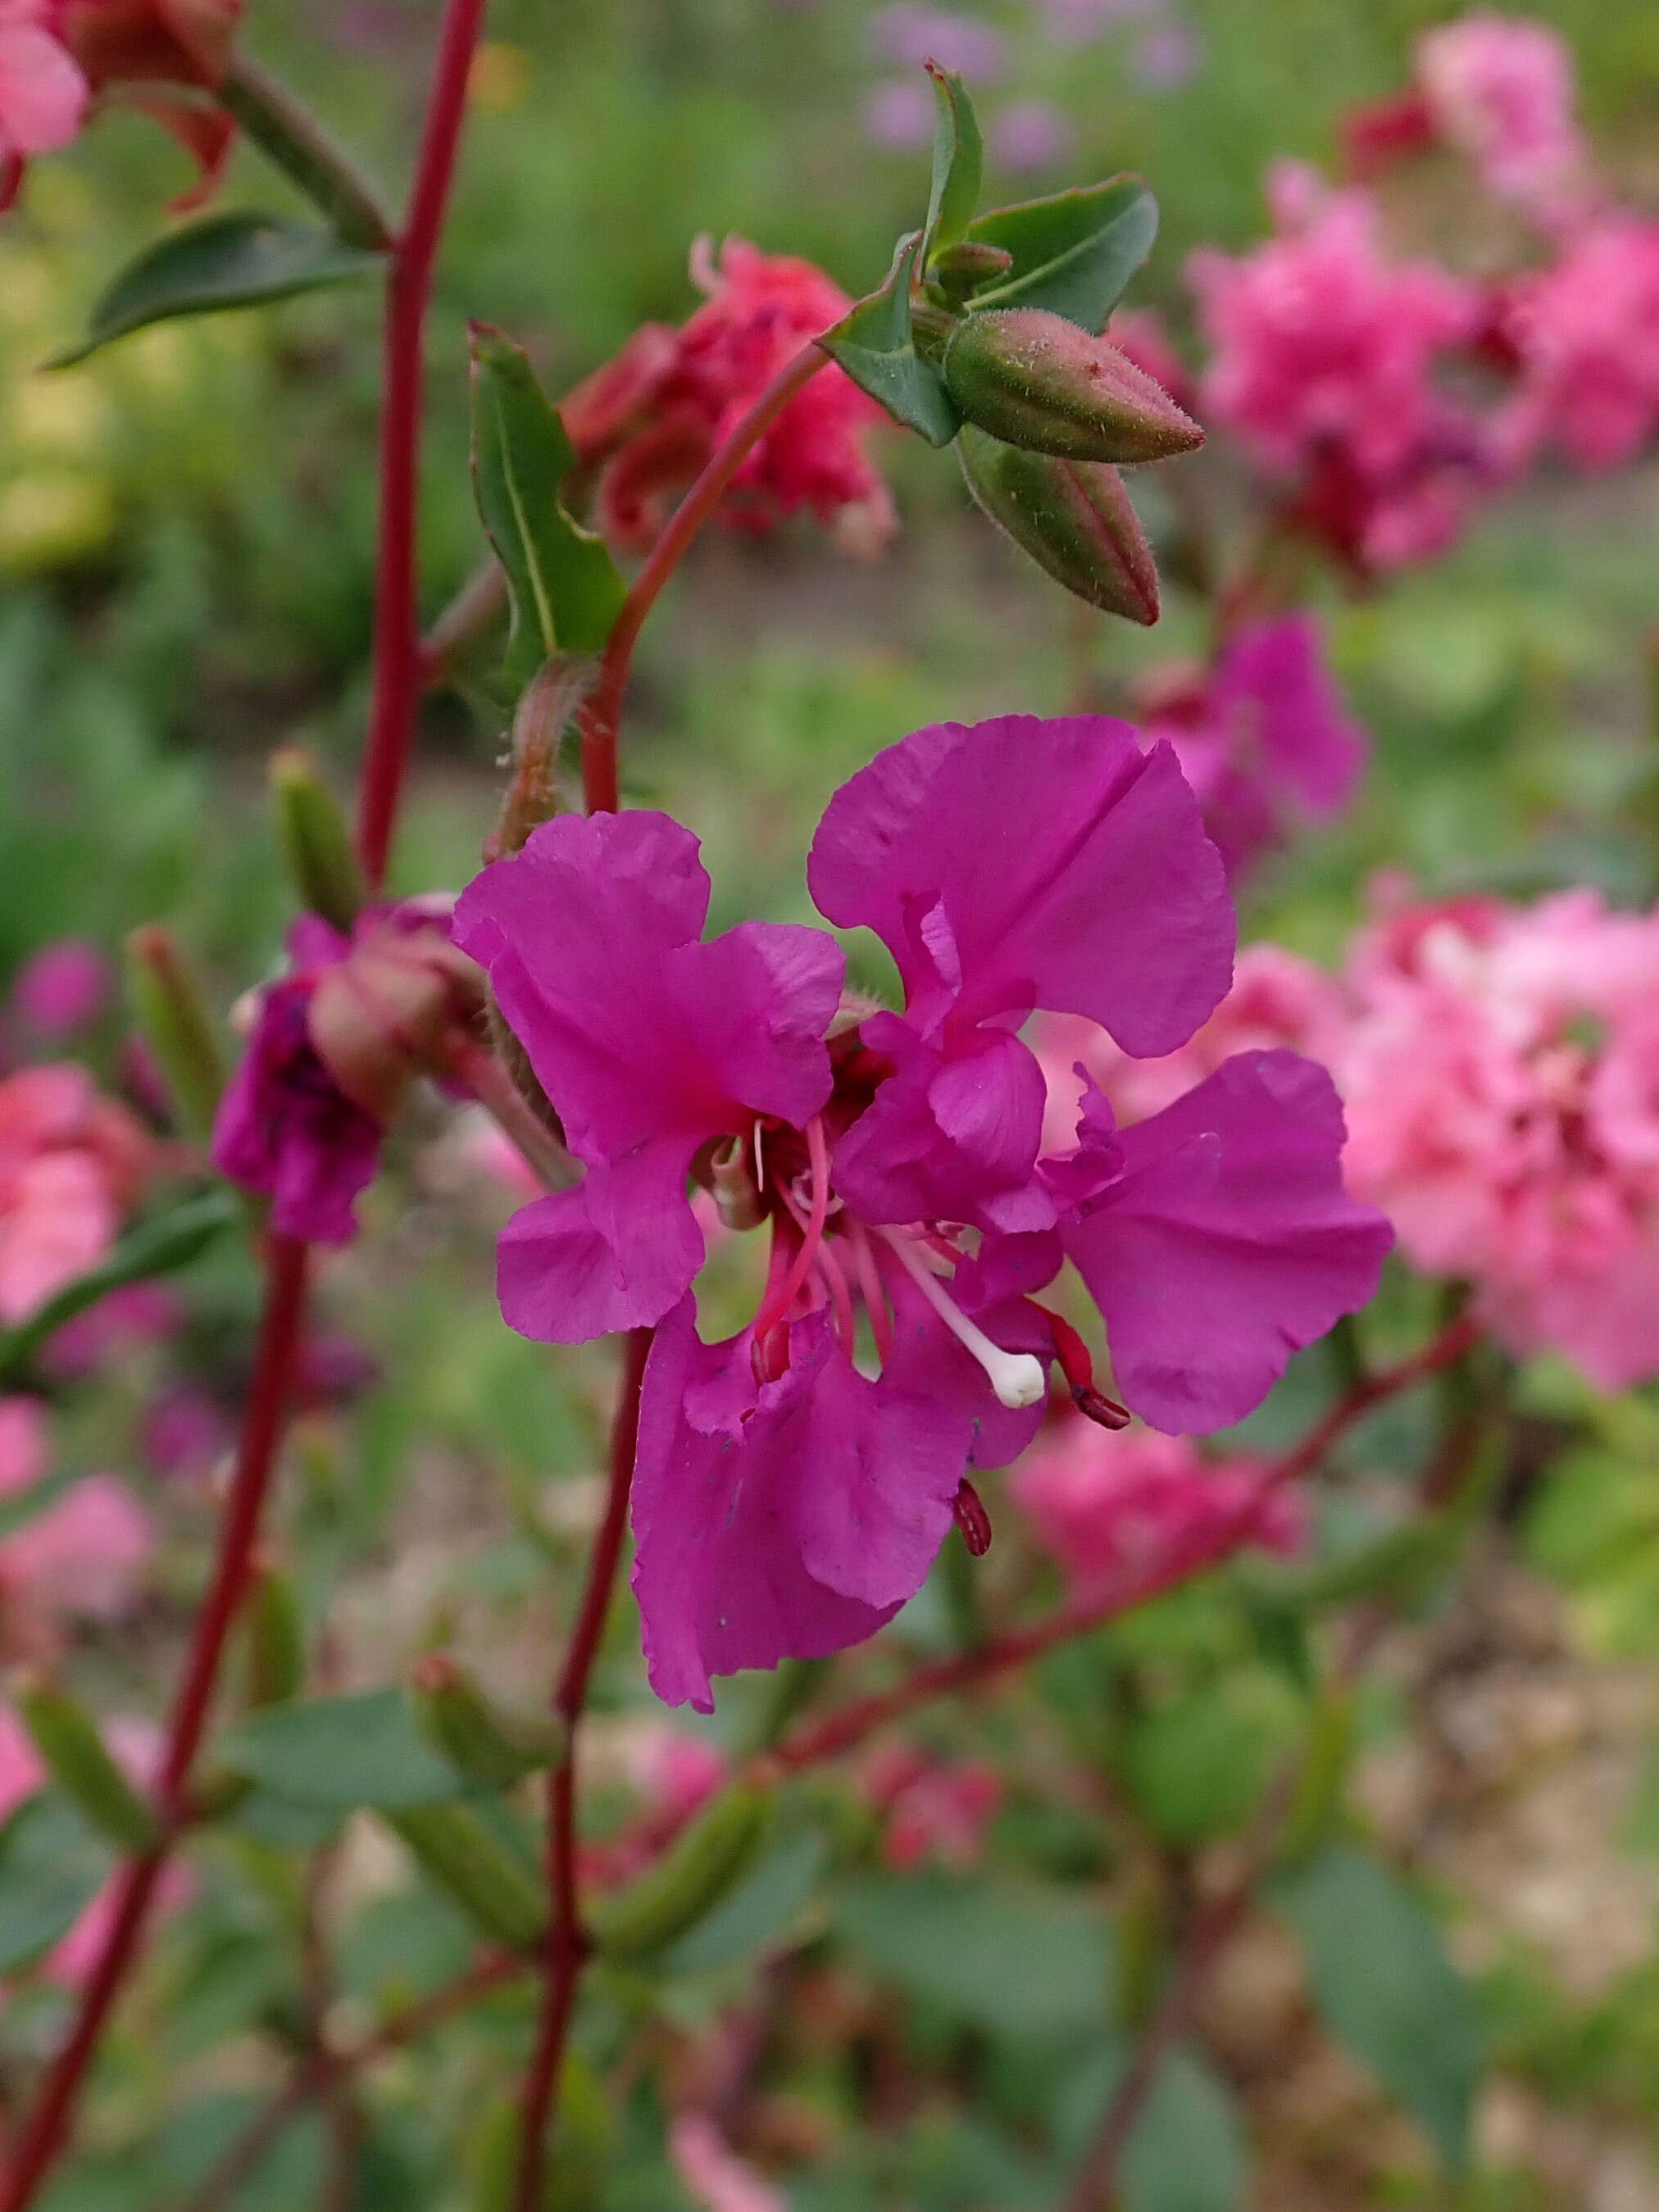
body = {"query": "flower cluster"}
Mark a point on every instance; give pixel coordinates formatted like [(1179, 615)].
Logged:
[(71, 1163), (1325, 364), (1585, 334), (786, 1502), (648, 421), (1500, 90)]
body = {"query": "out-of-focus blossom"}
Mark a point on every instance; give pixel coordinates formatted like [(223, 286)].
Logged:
[(147, 48), (1261, 738), (184, 1434), (70, 1164), (898, 114), (1586, 333), (915, 34), (1500, 90), (43, 92), (1077, 23), (82, 1554), (138, 1315), (1028, 134), (1140, 334), (935, 1809), (672, 1773), (61, 989), (1165, 57), (651, 419), (1324, 364), (1117, 1512), (714, 2174)]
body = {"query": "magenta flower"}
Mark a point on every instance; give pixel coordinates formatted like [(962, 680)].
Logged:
[(43, 94), (786, 1502)]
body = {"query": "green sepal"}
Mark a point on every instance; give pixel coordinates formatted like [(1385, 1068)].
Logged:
[(171, 1012), (876, 346), (1074, 252), (64, 1735), (701, 1866), (316, 845), (487, 1747), (958, 160), (566, 589), (239, 259), (493, 1889)]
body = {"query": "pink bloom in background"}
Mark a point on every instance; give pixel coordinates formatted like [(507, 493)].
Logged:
[(1324, 361), (1118, 1511), (1163, 58), (127, 1321), (70, 1165), (714, 2174), (650, 419), (898, 114), (1140, 333), (936, 1810), (785, 1504), (1586, 333), (673, 1774), (64, 987), (1028, 134), (1261, 739), (43, 94), (184, 1433), (914, 34), (81, 1555), (1500, 90)]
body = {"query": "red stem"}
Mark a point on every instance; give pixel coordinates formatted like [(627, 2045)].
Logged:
[(396, 677), (566, 1949), (601, 716), (267, 1408), (839, 1732)]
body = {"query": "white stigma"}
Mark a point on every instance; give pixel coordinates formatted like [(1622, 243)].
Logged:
[(1015, 1377)]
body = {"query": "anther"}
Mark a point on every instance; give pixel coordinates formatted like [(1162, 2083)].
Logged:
[(968, 1511), (1075, 1364), (1017, 1378)]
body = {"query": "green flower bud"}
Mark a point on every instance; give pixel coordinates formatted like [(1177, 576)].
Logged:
[(486, 1746), (313, 835), (956, 269), (1073, 518), (274, 1638), (174, 1021), (69, 1742), (495, 1890), (1034, 380), (700, 1866)]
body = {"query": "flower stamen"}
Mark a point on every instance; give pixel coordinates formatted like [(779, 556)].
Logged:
[(1017, 1378), (779, 1296)]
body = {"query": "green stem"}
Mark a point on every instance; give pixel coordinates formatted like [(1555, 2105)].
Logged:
[(290, 136)]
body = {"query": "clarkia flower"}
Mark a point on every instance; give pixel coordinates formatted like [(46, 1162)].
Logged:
[(786, 1500), (933, 1810), (168, 58), (1500, 90), (81, 1555), (1585, 333), (43, 92), (71, 1163)]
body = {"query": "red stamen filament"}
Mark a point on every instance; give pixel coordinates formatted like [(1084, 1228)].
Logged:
[(781, 1297), (868, 1267)]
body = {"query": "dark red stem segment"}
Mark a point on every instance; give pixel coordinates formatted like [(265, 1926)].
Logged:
[(600, 717), (566, 1949), (42, 2132), (397, 676)]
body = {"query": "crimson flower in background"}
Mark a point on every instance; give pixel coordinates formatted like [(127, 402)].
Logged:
[(786, 1502), (151, 45), (648, 421), (43, 92), (71, 1163)]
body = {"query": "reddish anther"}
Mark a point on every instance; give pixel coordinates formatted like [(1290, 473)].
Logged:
[(968, 1511), (1105, 1411)]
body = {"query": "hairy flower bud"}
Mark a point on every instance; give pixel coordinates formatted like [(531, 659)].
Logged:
[(380, 1016), (315, 844), (172, 1019), (1034, 380), (1073, 518)]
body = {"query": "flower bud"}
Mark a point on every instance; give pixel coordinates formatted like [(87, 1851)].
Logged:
[(486, 1746), (173, 1020), (275, 1639), (495, 1890), (385, 1013), (958, 268), (1036, 380), (74, 1753), (1073, 518), (315, 844), (702, 1867)]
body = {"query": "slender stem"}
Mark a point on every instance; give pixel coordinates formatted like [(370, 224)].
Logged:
[(267, 1409), (839, 1732), (482, 1074), (290, 134), (601, 717), (566, 1949), (396, 681), (480, 603)]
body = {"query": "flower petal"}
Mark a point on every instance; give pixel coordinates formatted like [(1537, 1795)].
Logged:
[(615, 1253)]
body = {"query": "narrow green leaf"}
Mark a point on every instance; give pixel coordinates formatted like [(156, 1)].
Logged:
[(364, 1749), (1186, 2152), (51, 1866), (1075, 253), (959, 159), (875, 345), (565, 587), (1385, 1984), (240, 260)]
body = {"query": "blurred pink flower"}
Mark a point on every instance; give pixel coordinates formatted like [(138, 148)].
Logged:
[(1121, 1509), (1586, 333), (898, 114), (1140, 333), (673, 1773), (1325, 354), (184, 1433), (70, 1163), (83, 1554), (1028, 134), (936, 1809), (914, 34), (61, 988), (125, 1321), (42, 93), (712, 2171), (1500, 90), (1165, 57)]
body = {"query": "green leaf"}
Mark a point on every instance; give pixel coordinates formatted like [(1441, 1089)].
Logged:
[(565, 587), (1387, 1988), (1008, 1956), (51, 1866), (1187, 2153), (875, 346), (1196, 1765), (364, 1749), (156, 1248), (958, 158), (240, 260), (1073, 253)]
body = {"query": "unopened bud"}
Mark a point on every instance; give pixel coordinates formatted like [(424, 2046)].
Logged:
[(956, 269), (485, 1745), (315, 844), (275, 1640), (1034, 380), (68, 1741), (389, 1012), (1073, 518), (172, 1019), (700, 1866), (495, 1890)]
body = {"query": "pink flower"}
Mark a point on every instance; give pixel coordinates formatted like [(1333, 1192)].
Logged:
[(784, 1502), (910, 33), (64, 987), (1262, 738), (70, 1164), (1120, 1511), (151, 46), (937, 1810), (653, 418), (713, 2172), (1586, 333), (83, 1554), (126, 1321), (43, 94), (1500, 90), (673, 1774), (1324, 362), (1140, 334)]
